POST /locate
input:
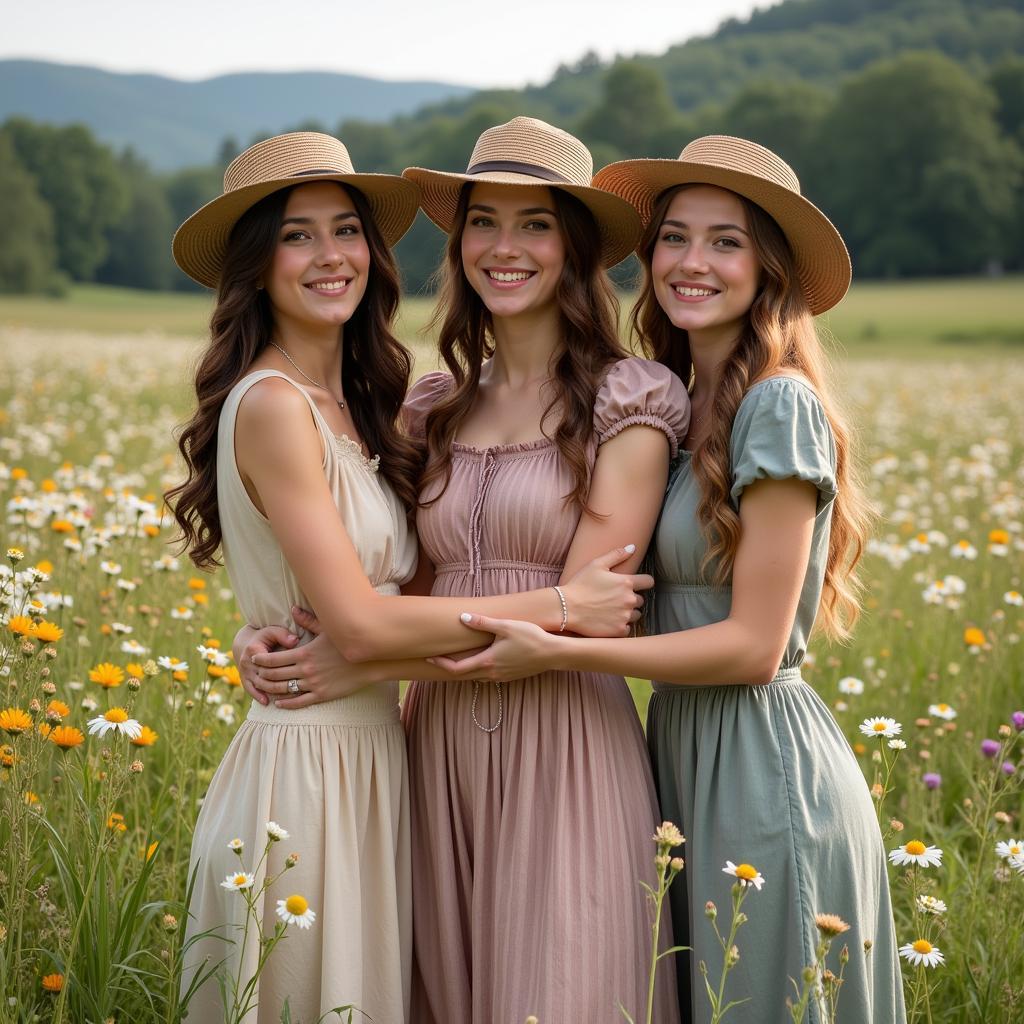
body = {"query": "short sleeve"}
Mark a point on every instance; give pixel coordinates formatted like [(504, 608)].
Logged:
[(638, 391), (781, 432), (421, 399)]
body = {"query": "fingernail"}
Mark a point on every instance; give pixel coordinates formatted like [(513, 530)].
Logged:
[(630, 548), (292, 638), (466, 617)]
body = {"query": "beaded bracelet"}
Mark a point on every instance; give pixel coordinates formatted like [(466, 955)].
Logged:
[(565, 609)]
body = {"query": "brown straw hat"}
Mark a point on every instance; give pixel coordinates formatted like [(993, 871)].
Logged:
[(525, 151), (285, 160), (757, 174)]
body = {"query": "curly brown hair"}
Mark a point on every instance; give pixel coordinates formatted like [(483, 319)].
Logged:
[(375, 368), (779, 334), (589, 345)]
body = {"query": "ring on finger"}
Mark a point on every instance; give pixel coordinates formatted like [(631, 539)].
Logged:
[(293, 686)]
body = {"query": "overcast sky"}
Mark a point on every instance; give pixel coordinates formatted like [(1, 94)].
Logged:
[(478, 44)]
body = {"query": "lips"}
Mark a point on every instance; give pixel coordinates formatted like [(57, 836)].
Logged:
[(509, 276), (329, 286), (686, 291)]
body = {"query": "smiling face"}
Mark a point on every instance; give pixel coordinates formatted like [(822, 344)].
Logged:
[(321, 263), (513, 251), (704, 269)]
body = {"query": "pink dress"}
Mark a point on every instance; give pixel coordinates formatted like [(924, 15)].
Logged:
[(529, 840)]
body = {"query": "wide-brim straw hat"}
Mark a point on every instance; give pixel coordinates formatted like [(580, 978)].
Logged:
[(527, 151), (280, 162), (750, 170)]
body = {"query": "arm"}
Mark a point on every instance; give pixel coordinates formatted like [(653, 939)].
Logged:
[(278, 451), (777, 519)]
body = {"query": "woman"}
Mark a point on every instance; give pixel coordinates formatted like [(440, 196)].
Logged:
[(298, 470), (533, 804), (762, 526)]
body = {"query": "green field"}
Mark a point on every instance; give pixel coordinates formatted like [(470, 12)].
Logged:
[(935, 317), (92, 390)]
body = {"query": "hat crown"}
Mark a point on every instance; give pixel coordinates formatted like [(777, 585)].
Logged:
[(733, 154), (530, 142), (294, 155)]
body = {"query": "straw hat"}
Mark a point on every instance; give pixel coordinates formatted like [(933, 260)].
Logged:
[(757, 174), (526, 151), (293, 159)]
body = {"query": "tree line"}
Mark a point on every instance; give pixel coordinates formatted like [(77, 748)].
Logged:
[(918, 160)]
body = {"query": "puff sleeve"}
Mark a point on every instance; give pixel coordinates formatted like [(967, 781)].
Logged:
[(638, 391), (781, 433), (421, 399)]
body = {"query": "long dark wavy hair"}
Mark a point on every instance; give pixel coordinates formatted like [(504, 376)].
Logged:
[(375, 368), (778, 333), (589, 344)]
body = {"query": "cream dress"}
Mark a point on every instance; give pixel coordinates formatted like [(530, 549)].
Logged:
[(334, 775)]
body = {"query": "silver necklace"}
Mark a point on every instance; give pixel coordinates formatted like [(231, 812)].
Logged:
[(315, 383)]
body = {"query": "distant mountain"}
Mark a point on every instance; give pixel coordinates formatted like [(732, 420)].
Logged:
[(171, 123)]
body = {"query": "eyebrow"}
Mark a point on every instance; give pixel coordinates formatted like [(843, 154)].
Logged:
[(531, 211), (309, 220), (713, 227)]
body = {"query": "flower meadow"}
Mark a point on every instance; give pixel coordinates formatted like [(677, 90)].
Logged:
[(119, 694)]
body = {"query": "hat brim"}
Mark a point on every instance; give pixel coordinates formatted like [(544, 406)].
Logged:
[(822, 260), (200, 243), (617, 221)]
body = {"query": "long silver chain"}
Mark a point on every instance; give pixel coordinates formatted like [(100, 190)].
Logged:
[(315, 383), (501, 708)]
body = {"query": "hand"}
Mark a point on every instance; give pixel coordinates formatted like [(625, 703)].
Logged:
[(322, 673), (605, 603), (250, 641), (519, 650)]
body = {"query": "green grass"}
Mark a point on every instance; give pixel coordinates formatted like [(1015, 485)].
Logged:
[(939, 318)]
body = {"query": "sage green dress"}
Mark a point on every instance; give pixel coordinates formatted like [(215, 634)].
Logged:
[(762, 774)]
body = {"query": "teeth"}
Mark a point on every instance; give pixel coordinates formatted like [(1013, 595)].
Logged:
[(508, 275), (329, 286), (692, 292)]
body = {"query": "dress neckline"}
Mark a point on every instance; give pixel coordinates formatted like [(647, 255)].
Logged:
[(513, 447)]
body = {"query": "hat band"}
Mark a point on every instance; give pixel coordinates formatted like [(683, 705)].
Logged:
[(534, 170), (322, 170)]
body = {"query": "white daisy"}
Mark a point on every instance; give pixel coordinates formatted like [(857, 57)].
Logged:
[(942, 711), (110, 568), (1011, 848), (237, 845), (915, 852), (1017, 863), (295, 910), (238, 881), (1014, 597), (182, 612), (133, 646), (747, 874), (275, 833), (896, 745), (886, 727), (930, 905), (922, 953), (172, 664), (115, 719), (852, 685), (964, 549)]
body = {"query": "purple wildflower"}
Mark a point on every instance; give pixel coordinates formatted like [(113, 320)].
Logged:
[(932, 780), (990, 747)]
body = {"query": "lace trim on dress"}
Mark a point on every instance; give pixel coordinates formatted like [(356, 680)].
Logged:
[(346, 446)]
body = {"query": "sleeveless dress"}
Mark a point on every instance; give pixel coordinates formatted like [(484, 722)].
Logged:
[(333, 774), (762, 774), (530, 840)]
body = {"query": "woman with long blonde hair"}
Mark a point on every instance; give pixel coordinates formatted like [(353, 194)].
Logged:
[(760, 533)]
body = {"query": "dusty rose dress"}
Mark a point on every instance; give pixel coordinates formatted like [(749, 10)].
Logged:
[(529, 840)]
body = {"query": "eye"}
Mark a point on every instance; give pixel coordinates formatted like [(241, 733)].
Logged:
[(537, 225), (480, 221), (728, 242), (672, 237), (294, 236), (347, 230)]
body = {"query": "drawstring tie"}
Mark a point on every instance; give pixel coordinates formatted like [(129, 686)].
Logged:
[(475, 537)]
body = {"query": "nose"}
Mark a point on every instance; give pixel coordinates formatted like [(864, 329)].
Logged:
[(693, 259), (329, 250), (505, 244)]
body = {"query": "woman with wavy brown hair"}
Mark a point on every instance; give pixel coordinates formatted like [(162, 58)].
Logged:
[(761, 530)]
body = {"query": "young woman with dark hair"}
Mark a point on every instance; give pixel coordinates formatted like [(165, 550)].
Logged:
[(762, 527)]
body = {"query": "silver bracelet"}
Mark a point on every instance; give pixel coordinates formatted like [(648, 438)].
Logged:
[(565, 609)]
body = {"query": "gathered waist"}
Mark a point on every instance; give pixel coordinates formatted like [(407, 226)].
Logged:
[(491, 564), (374, 705), (784, 677)]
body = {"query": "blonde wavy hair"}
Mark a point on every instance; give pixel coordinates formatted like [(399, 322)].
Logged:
[(779, 335)]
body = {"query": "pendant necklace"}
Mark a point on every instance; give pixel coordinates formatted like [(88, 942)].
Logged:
[(315, 383)]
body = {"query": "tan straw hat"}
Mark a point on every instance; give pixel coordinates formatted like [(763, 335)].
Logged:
[(525, 151), (285, 160), (757, 174)]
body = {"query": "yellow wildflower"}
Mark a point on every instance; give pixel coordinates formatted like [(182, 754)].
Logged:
[(107, 675)]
